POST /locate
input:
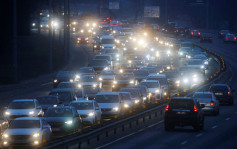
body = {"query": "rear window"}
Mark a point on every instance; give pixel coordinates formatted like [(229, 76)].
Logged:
[(181, 104), (219, 89)]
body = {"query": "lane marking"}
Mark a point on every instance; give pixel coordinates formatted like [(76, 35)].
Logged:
[(184, 142), (227, 119), (198, 135), (128, 135), (214, 127)]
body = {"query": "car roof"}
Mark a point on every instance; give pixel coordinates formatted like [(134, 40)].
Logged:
[(47, 96), (157, 75), (203, 93), (108, 93), (18, 100)]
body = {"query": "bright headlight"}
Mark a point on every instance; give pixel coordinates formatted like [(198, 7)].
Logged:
[(82, 31), (180, 53), (168, 67), (55, 81), (177, 82), (129, 61), (77, 76), (68, 122), (79, 85), (124, 49), (86, 38), (126, 105), (95, 46), (195, 79), (115, 108), (31, 112), (7, 113), (115, 82), (106, 68), (157, 91), (131, 82), (36, 135), (91, 114), (185, 80), (5, 135), (144, 98), (121, 70), (71, 80), (206, 63), (136, 101), (100, 79), (168, 52), (117, 55), (202, 67), (165, 93), (94, 85)]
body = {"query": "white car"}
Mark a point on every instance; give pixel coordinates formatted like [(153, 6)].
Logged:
[(23, 108), (27, 131), (154, 89), (110, 103), (88, 110), (107, 77), (89, 80), (128, 102)]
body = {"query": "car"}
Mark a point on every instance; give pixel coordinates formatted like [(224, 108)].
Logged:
[(107, 77), (82, 39), (184, 111), (79, 92), (63, 119), (65, 95), (47, 101), (144, 92), (89, 80), (127, 67), (90, 92), (223, 93), (205, 37), (85, 71), (27, 131), (187, 44), (104, 57), (197, 64), (229, 38), (100, 65), (183, 51), (195, 33), (154, 88), (107, 41), (140, 74), (96, 44), (114, 54), (128, 102), (63, 76), (123, 80), (23, 108), (172, 78), (111, 104), (222, 33), (210, 102), (89, 111)]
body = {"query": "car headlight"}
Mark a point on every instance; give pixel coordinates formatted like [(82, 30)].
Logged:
[(55, 81), (195, 80), (95, 46), (181, 53), (100, 79), (157, 91), (77, 76), (91, 114), (79, 85), (129, 61), (86, 38), (71, 80), (165, 93), (36, 135), (7, 113), (202, 67), (124, 49), (136, 101), (68, 122), (144, 98), (115, 108), (177, 82), (55, 105), (115, 82), (113, 47), (106, 68), (117, 55), (102, 47), (131, 82), (206, 63), (5, 135), (31, 112), (121, 70), (168, 67), (126, 105), (185, 80), (161, 71), (94, 85)]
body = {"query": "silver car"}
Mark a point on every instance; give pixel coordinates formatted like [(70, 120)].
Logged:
[(27, 131), (209, 100)]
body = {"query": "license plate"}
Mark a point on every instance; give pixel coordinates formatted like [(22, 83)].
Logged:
[(55, 129), (218, 93), (181, 112)]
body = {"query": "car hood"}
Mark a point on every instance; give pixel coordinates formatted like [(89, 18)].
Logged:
[(107, 45), (153, 90), (57, 119), (108, 105), (21, 131), (20, 111), (89, 83), (107, 76), (84, 112)]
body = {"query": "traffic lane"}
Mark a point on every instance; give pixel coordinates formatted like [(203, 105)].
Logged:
[(157, 137)]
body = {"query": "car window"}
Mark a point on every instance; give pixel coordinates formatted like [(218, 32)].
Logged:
[(219, 88), (21, 105), (181, 104), (16, 124)]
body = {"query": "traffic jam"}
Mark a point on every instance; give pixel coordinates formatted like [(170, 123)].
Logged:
[(133, 67)]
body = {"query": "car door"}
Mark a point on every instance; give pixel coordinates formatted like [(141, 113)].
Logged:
[(46, 128), (97, 110)]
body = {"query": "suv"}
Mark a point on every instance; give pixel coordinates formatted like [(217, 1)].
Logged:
[(184, 111), (223, 93)]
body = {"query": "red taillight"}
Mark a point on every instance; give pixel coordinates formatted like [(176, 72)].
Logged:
[(195, 108), (226, 38), (209, 91), (203, 38), (177, 31), (199, 33), (167, 108), (104, 20), (234, 38), (111, 24), (210, 38), (192, 33), (117, 24), (229, 93), (107, 18), (212, 103), (144, 24), (222, 33)]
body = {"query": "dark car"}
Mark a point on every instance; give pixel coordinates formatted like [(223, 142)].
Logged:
[(65, 95), (144, 91), (184, 111), (223, 93), (140, 74), (47, 101), (100, 64), (63, 76), (123, 80), (96, 44), (82, 39), (205, 37), (63, 119), (222, 33)]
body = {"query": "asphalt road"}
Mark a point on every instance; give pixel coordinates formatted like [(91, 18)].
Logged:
[(219, 132)]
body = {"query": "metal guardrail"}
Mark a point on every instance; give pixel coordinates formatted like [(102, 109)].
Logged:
[(120, 127)]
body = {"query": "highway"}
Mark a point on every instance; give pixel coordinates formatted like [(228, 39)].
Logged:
[(219, 132)]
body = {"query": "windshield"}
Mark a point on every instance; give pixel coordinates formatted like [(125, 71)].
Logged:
[(150, 84), (202, 96), (91, 90), (162, 81), (107, 98), (107, 73), (21, 105), (16, 124), (125, 96), (99, 63), (47, 101), (107, 41), (141, 73), (62, 96), (124, 76), (67, 85), (58, 112), (181, 104), (134, 92), (86, 71), (82, 105), (103, 57), (88, 79)]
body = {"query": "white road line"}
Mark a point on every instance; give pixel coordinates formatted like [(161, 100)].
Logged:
[(227, 119), (198, 135), (214, 127), (184, 142), (128, 135)]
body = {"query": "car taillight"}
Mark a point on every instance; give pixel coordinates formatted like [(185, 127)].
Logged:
[(203, 38), (212, 103), (192, 33), (222, 33), (234, 38), (229, 93), (195, 108), (177, 31), (210, 38), (167, 108), (199, 33), (226, 38)]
